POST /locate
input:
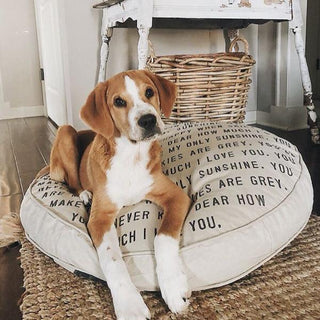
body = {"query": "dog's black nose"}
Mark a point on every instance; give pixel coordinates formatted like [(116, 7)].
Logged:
[(147, 121)]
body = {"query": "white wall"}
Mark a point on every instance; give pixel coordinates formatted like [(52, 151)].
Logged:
[(81, 47), (20, 85)]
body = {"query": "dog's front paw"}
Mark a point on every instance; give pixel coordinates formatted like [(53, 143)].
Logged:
[(86, 197), (129, 305), (172, 280), (175, 292)]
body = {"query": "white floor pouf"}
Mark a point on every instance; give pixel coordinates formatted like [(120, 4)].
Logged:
[(251, 193)]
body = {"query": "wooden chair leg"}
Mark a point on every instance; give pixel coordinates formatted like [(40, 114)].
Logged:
[(307, 88), (295, 25), (106, 34), (143, 46)]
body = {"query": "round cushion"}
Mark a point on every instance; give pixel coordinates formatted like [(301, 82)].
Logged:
[(251, 193)]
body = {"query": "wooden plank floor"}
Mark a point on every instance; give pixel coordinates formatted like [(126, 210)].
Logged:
[(25, 148)]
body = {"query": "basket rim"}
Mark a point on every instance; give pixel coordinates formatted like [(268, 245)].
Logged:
[(202, 55)]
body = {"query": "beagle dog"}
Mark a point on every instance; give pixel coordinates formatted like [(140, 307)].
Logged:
[(118, 164)]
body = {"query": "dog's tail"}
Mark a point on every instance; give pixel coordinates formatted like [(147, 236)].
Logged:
[(11, 229)]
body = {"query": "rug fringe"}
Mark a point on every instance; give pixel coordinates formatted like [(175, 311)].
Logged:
[(11, 229)]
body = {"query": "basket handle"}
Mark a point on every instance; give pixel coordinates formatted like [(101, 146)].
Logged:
[(234, 44)]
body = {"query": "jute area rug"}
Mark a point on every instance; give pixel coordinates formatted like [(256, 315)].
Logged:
[(286, 287)]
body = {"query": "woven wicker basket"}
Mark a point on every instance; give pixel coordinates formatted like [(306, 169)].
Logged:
[(210, 86)]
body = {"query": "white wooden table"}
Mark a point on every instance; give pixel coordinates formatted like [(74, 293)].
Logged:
[(143, 11)]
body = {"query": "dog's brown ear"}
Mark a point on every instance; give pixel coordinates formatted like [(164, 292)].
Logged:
[(95, 112), (167, 92)]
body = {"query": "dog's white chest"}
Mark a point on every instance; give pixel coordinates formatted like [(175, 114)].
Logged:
[(128, 179)]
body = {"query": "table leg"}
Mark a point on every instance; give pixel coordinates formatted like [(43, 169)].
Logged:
[(307, 88), (232, 34), (143, 45), (104, 53)]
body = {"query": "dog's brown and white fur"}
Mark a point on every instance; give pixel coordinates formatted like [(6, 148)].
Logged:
[(119, 165)]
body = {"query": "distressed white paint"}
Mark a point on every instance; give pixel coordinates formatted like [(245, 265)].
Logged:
[(313, 115), (171, 277), (221, 9), (104, 54), (302, 60), (202, 9), (294, 75), (306, 82), (143, 46), (144, 23), (127, 301), (106, 34), (129, 180)]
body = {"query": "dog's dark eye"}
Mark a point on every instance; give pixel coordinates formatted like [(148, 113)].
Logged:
[(149, 93), (118, 102)]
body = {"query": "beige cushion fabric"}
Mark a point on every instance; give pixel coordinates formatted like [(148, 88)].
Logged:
[(251, 192)]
